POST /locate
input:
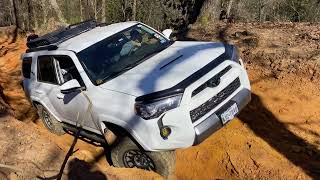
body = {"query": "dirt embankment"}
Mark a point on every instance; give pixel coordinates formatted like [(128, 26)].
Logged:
[(276, 137), (279, 49), (10, 76)]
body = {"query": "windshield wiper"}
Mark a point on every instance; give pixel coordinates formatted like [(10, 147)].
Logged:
[(116, 73)]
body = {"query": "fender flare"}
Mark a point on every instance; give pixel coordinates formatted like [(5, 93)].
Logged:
[(35, 101)]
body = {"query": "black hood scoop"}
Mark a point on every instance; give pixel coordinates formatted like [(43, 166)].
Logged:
[(167, 64)]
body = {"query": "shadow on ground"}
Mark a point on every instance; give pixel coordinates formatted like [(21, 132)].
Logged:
[(81, 170), (266, 126)]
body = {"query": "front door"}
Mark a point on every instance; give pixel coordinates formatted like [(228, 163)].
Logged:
[(73, 106), (52, 72)]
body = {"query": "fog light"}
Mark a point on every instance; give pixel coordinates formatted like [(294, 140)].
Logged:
[(165, 131)]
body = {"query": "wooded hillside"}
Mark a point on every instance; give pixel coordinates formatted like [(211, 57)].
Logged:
[(37, 14)]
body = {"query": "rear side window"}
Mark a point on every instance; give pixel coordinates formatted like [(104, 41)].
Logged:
[(26, 67), (46, 70)]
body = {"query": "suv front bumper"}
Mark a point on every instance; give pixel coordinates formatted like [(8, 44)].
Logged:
[(197, 117), (214, 123)]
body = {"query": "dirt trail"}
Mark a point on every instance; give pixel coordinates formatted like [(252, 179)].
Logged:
[(276, 137)]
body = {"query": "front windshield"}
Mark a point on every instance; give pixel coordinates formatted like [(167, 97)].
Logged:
[(116, 54)]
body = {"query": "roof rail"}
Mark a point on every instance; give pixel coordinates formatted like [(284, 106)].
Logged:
[(50, 40), (47, 47)]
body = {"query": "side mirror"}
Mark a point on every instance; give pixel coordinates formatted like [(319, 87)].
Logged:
[(70, 86), (167, 33)]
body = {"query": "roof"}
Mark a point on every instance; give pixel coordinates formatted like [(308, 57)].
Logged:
[(93, 36)]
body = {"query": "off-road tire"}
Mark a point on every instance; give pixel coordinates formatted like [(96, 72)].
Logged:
[(49, 121), (164, 161)]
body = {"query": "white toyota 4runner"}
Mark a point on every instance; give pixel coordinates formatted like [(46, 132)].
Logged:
[(130, 86)]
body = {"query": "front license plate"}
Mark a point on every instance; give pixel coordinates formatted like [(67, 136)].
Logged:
[(229, 114)]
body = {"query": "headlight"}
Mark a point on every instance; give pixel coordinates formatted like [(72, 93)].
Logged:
[(156, 108)]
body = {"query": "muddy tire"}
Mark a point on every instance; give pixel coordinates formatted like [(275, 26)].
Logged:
[(50, 122), (127, 154)]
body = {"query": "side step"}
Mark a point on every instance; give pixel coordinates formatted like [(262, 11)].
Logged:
[(85, 134)]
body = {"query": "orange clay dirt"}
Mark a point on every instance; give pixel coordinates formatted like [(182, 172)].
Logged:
[(276, 137)]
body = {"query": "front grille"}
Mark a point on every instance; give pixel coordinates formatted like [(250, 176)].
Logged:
[(216, 77), (203, 109)]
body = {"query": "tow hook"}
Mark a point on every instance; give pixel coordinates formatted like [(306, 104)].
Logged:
[(165, 131)]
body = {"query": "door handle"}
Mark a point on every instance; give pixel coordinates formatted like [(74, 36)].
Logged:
[(60, 96)]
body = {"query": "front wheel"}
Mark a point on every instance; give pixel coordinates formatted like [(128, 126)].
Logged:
[(127, 154)]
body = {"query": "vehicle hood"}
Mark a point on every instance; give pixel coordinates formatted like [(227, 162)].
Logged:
[(166, 69)]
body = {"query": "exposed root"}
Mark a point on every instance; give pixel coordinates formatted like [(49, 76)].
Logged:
[(13, 168)]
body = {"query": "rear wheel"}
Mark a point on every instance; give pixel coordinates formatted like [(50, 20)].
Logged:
[(50, 122), (127, 154)]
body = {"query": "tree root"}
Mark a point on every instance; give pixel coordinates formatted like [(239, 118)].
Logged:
[(14, 168)]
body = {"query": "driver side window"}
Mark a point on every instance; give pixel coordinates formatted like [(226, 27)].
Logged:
[(67, 70)]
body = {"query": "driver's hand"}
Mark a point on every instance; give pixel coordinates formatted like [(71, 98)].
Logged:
[(136, 44), (63, 71)]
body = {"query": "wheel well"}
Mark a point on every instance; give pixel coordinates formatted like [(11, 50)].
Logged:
[(116, 129), (121, 132), (35, 103)]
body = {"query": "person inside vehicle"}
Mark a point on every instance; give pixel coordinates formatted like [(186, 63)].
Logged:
[(133, 44)]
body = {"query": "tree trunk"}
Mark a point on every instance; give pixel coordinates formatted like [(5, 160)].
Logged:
[(261, 10), (103, 13), (35, 19), (95, 9), (30, 16), (57, 10), (81, 13), (211, 9), (15, 13), (229, 8), (134, 10), (10, 14), (123, 7)]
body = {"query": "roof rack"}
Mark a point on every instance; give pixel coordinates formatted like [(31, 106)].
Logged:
[(51, 40)]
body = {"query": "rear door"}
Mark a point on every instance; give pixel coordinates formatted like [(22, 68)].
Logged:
[(28, 75)]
